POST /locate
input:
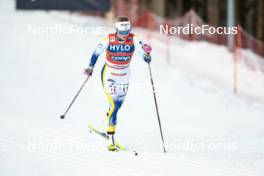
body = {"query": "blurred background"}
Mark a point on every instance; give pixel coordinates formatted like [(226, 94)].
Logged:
[(248, 14), (209, 88)]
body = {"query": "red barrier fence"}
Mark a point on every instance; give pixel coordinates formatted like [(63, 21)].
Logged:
[(146, 19)]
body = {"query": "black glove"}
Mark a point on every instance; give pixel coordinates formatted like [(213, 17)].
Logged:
[(89, 71), (147, 58)]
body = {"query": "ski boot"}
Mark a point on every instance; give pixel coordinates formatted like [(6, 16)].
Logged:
[(112, 146)]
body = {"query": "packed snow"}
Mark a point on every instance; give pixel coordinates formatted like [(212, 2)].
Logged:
[(208, 130)]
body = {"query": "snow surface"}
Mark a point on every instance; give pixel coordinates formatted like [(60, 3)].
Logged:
[(39, 77)]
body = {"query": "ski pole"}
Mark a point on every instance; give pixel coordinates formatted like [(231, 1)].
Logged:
[(63, 116), (156, 105)]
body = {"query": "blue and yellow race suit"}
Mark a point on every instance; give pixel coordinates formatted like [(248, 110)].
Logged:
[(115, 73)]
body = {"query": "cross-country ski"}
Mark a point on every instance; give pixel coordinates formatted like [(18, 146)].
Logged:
[(131, 88), (117, 147)]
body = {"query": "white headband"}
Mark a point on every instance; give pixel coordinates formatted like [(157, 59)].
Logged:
[(123, 25)]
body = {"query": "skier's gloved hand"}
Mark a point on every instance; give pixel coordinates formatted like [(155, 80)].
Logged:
[(89, 71), (147, 48), (147, 58)]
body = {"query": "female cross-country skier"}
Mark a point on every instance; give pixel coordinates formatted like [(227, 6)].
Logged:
[(119, 47)]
